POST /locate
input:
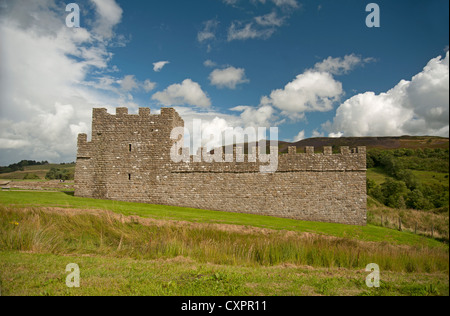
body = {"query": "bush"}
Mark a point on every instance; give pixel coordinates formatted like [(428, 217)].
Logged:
[(391, 193), (31, 176), (417, 201), (409, 178), (419, 159), (377, 194), (59, 174)]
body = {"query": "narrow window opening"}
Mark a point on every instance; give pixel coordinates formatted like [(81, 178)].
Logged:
[(129, 148), (129, 177)]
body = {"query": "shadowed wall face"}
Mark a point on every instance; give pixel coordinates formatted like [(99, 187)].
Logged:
[(128, 159)]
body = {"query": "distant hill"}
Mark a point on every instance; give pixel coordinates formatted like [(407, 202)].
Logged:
[(411, 142), (36, 172)]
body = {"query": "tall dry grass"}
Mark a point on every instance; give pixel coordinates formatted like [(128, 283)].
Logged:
[(106, 234), (426, 223)]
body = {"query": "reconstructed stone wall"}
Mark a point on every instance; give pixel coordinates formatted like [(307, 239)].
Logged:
[(38, 185), (128, 159)]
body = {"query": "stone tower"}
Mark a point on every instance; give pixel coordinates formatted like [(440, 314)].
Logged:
[(126, 151)]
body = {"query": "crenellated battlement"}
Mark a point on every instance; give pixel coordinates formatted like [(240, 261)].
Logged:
[(219, 161), (130, 158), (238, 151), (121, 113), (327, 150)]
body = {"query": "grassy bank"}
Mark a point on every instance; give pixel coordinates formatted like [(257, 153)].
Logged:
[(104, 234), (426, 223), (368, 233)]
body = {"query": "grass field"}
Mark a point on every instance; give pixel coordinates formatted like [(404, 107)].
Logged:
[(426, 177), (140, 249), (430, 177), (65, 200), (183, 277)]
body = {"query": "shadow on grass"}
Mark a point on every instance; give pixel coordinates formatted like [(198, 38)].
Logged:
[(71, 193)]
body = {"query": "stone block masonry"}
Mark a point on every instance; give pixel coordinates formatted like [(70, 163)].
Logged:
[(128, 159)]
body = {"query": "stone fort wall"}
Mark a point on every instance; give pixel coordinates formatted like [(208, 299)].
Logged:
[(128, 159)]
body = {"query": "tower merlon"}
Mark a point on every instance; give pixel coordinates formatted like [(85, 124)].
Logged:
[(82, 139), (167, 111), (292, 150), (144, 111), (327, 150), (345, 150), (121, 111), (99, 112)]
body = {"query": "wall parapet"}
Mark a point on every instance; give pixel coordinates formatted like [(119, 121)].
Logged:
[(102, 113), (347, 160)]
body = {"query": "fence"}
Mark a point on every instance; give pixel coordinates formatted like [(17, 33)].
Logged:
[(399, 223)]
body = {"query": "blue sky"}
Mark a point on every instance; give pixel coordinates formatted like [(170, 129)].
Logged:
[(412, 32), (311, 67)]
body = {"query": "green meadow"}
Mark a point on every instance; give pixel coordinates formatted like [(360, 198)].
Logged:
[(162, 212), (139, 249)]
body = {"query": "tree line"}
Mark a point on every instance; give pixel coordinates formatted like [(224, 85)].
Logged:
[(20, 165)]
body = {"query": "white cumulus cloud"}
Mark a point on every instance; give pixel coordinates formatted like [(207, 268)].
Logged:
[(45, 97), (109, 14), (186, 93), (209, 63), (149, 85), (129, 83), (339, 66), (244, 31), (263, 116), (416, 107), (300, 136), (215, 123), (308, 92), (209, 31), (158, 66), (270, 19), (229, 77), (286, 4)]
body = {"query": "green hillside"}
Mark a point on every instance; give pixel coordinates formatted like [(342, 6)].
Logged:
[(36, 172), (388, 143)]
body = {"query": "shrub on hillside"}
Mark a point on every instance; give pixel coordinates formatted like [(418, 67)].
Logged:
[(60, 174), (31, 176)]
